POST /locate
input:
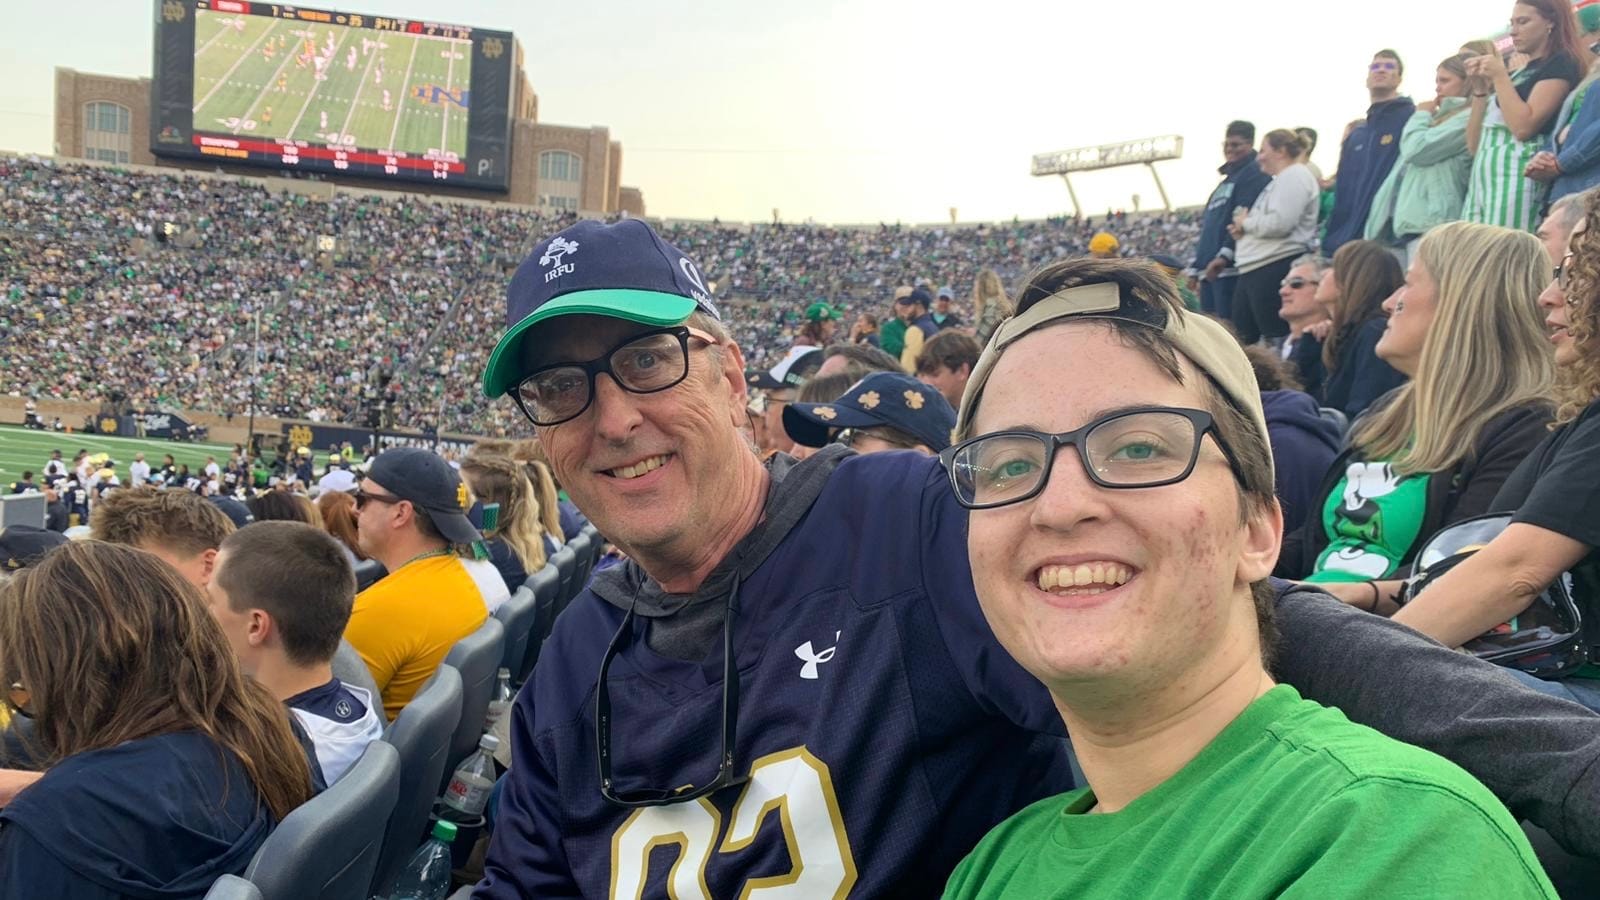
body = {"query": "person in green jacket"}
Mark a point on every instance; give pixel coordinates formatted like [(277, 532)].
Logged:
[(892, 334), (1428, 183), (1112, 449)]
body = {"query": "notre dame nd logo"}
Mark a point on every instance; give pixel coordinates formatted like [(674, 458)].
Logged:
[(173, 11), (300, 436), (438, 96), (108, 426), (492, 48), (461, 495)]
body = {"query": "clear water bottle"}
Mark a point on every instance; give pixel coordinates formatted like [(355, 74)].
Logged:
[(427, 874), (468, 794), (500, 702)]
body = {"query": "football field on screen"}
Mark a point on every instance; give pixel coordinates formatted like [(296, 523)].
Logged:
[(256, 76), (22, 450)]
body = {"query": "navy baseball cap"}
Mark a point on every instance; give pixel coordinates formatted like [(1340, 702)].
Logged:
[(23, 545), (623, 270), (424, 478), (882, 398)]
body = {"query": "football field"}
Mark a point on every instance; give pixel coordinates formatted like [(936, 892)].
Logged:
[(22, 450), (331, 84)]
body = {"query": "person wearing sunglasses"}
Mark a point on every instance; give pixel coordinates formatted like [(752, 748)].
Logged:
[(1301, 348), (1368, 152), (1554, 493), (411, 515), (1121, 533)]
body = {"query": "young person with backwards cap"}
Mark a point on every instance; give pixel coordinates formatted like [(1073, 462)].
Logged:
[(1122, 530), (805, 636), (411, 515)]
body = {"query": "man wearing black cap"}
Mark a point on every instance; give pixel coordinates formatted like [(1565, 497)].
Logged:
[(23, 545), (919, 326), (805, 637), (778, 387), (411, 515)]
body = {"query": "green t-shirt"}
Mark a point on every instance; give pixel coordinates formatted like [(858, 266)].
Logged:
[(1290, 800), (1371, 517), (892, 337)]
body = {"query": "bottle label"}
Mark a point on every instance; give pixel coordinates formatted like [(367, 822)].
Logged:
[(468, 796)]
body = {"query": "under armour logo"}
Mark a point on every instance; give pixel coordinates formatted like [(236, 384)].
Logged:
[(813, 658)]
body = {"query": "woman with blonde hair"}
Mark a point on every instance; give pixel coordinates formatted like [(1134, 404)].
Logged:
[(517, 543), (1554, 493), (560, 518), (165, 766), (1466, 328), (990, 305)]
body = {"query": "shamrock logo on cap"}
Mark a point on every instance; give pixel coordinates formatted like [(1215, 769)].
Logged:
[(558, 248), (869, 400), (824, 412), (914, 399)]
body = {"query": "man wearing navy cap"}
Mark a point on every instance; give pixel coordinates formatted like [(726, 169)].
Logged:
[(913, 310), (804, 637), (411, 515), (884, 411)]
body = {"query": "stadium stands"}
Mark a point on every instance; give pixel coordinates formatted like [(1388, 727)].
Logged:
[(99, 301)]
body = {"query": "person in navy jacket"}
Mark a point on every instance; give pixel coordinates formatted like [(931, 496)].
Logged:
[(804, 636), (1368, 152), (1212, 273)]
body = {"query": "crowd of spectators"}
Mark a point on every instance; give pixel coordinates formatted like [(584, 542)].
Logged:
[(103, 300)]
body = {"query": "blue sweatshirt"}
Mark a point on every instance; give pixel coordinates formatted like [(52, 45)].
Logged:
[(1242, 183), (1365, 159), (156, 819), (874, 704), (1304, 444)]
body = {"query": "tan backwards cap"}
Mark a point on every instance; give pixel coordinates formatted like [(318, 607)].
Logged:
[(1206, 343)]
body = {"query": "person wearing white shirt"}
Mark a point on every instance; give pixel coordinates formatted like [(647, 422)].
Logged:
[(213, 471), (1279, 228), (337, 478), (138, 470)]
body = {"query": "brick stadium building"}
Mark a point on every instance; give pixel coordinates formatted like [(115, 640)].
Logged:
[(553, 167)]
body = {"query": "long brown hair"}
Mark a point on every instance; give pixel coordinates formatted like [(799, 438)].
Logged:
[(1564, 39), (1580, 382), (1367, 274), (497, 479), (338, 511), (113, 645)]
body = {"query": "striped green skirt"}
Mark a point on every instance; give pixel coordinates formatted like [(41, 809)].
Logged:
[(1497, 193)]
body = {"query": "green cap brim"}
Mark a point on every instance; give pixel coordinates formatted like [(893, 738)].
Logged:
[(645, 307)]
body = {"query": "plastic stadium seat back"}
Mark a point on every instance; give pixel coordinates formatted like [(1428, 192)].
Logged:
[(546, 587), (421, 734), (328, 848), (566, 562), (517, 616), (232, 887), (350, 668), (477, 658), (368, 573), (582, 563)]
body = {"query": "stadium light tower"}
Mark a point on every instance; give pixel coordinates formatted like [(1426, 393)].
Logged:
[(1146, 152)]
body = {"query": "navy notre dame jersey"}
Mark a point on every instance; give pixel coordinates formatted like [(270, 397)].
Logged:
[(882, 728)]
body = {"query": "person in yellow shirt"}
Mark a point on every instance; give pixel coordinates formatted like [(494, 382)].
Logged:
[(411, 516)]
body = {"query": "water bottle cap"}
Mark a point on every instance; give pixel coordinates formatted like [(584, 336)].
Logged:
[(503, 672), (489, 742), (444, 831)]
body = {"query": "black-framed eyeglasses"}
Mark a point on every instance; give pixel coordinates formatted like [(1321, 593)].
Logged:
[(362, 498), (1297, 282), (1563, 272), (642, 364), (1133, 448), (727, 772)]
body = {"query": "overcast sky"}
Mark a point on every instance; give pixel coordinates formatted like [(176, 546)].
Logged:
[(875, 110)]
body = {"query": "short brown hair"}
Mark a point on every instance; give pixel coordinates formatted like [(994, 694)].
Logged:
[(299, 576), (950, 350), (1140, 282), (181, 521)]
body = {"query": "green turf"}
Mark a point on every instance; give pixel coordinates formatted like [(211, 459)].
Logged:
[(237, 86), (23, 450)]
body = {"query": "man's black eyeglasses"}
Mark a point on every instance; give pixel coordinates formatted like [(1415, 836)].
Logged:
[(362, 498), (642, 364), (1133, 448), (726, 769)]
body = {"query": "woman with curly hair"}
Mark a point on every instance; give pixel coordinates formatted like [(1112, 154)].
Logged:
[(1555, 492), (165, 766)]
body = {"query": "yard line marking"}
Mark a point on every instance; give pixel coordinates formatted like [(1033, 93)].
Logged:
[(317, 86), (405, 82), (236, 63), (351, 113)]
